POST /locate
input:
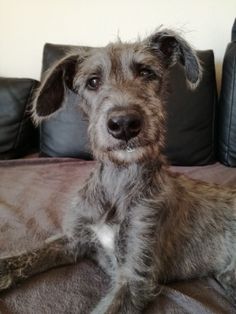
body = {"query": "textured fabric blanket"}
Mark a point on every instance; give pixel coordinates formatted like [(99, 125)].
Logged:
[(34, 196)]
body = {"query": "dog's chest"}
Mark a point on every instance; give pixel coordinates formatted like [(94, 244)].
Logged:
[(106, 235)]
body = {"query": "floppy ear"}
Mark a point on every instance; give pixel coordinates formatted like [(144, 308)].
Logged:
[(173, 48), (50, 95)]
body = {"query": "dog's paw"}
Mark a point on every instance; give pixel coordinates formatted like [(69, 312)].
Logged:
[(6, 278)]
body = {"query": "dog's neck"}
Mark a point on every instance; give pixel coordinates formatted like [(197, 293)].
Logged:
[(133, 177)]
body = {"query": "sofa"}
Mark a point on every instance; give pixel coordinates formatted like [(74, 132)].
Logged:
[(42, 167)]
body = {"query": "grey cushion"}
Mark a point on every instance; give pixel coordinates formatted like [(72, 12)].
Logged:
[(65, 135), (191, 116)]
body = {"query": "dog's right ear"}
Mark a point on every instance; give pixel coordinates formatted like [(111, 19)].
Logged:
[(50, 95)]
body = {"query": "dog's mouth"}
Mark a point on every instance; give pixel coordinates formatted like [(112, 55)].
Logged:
[(126, 146), (126, 152), (130, 149)]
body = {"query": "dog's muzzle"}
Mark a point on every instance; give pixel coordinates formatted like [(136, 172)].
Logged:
[(124, 125)]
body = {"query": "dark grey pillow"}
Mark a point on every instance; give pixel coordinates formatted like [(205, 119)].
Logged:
[(191, 117), (18, 136), (65, 134)]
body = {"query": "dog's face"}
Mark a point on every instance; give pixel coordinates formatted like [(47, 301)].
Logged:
[(121, 91)]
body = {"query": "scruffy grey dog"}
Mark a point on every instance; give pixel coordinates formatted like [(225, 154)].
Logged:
[(143, 224)]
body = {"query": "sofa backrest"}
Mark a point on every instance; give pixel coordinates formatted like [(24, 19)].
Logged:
[(227, 106)]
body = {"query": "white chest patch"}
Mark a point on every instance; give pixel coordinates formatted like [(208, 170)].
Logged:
[(105, 234)]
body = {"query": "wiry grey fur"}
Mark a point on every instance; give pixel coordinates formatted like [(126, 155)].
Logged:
[(143, 224)]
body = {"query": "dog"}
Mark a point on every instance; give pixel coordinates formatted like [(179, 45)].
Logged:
[(143, 224)]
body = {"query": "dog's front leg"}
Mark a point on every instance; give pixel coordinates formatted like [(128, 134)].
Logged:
[(133, 287), (55, 252), (117, 300), (128, 297)]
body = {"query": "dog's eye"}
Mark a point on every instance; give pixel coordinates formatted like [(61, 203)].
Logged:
[(147, 73), (93, 83)]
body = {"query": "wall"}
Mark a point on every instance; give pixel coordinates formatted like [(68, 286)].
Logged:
[(25, 25)]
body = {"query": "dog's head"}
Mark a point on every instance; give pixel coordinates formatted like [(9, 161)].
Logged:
[(121, 90)]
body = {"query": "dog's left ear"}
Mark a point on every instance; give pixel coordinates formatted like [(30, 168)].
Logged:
[(173, 48)]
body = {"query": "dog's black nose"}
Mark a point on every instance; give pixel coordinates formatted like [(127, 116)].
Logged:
[(124, 126)]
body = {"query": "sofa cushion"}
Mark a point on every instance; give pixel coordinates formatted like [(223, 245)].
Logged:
[(191, 116), (227, 108), (18, 136), (190, 132), (65, 134)]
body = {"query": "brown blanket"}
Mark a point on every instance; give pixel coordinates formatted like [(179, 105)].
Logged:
[(34, 195)]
